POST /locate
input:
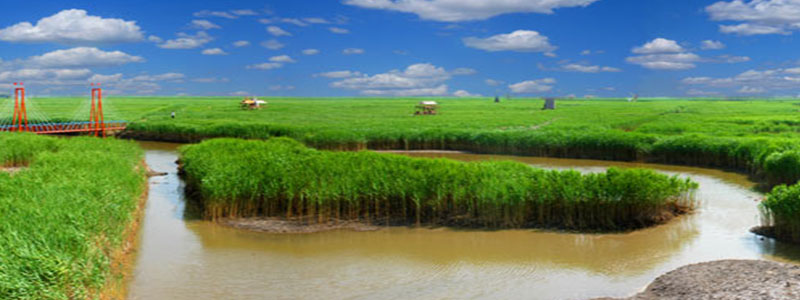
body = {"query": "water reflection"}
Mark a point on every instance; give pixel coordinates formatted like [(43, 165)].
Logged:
[(191, 259)]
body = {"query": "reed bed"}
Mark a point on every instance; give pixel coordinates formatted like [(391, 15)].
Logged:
[(64, 214), (780, 213), (233, 178)]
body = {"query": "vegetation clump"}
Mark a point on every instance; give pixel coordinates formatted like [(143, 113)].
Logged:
[(234, 178), (780, 213), (64, 217)]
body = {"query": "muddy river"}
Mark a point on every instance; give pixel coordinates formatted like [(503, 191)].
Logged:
[(184, 258)]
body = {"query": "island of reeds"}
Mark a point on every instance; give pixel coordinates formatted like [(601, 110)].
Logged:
[(780, 213), (279, 177), (66, 212)]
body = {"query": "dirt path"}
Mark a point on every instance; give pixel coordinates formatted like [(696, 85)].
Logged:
[(726, 279)]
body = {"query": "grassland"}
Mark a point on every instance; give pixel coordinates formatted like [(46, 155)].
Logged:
[(66, 215), (281, 177), (760, 137)]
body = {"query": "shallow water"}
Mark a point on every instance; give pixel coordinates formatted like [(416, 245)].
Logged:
[(191, 259)]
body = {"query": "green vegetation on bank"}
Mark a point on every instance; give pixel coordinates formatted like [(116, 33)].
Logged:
[(281, 177), (757, 136), (781, 213), (64, 214)]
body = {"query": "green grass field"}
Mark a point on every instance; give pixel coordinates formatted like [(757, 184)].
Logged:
[(66, 215)]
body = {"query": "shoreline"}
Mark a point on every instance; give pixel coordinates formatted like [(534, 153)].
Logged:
[(725, 279)]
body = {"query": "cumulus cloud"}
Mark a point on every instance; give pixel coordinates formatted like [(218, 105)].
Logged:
[(48, 76), (141, 84), (265, 66), (279, 87), (711, 45), (241, 43), (492, 82), (658, 45), (277, 31), (316, 21), (294, 21), (674, 61), (339, 74), (244, 12), (463, 93), (82, 57), (282, 59), (204, 24), (272, 45), (588, 68), (310, 51), (352, 51), (214, 51), (421, 79), (339, 30), (519, 41), (209, 13), (239, 93), (752, 81), (532, 86), (467, 10), (187, 41), (211, 79), (74, 27), (757, 16)]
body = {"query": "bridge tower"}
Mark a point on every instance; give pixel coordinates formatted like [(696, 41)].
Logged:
[(19, 121), (96, 114)]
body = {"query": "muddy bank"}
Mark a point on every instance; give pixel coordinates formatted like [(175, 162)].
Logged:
[(297, 225), (726, 279)]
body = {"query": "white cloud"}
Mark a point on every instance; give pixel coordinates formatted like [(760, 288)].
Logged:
[(351, 51), (241, 43), (316, 21), (214, 51), (338, 74), (757, 16), (422, 79), (752, 81), (586, 52), (492, 82), (467, 10), (675, 61), (520, 41), (141, 84), (659, 45), (272, 45), (294, 22), (701, 93), (310, 51), (82, 57), (155, 39), (463, 93), (47, 76), (339, 30), (265, 21), (239, 93), (208, 13), (204, 24), (244, 12), (186, 41), (211, 80), (712, 45), (265, 66), (588, 69), (73, 27), (751, 29), (533, 86), (282, 59), (277, 31)]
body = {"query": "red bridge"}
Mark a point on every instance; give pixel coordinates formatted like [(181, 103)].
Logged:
[(96, 124)]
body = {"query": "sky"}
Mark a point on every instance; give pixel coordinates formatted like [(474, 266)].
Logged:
[(404, 48)]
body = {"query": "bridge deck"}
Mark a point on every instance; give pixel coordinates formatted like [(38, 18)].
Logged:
[(67, 127)]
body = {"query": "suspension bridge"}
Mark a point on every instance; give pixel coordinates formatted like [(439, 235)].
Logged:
[(39, 123)]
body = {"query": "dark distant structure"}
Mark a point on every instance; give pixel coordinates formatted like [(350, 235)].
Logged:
[(549, 104), (496, 99)]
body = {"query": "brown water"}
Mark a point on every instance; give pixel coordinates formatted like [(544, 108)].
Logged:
[(192, 259)]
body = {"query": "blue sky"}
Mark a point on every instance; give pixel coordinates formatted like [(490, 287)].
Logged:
[(404, 47)]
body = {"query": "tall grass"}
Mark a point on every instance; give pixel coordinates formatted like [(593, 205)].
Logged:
[(282, 177), (64, 214), (781, 213)]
